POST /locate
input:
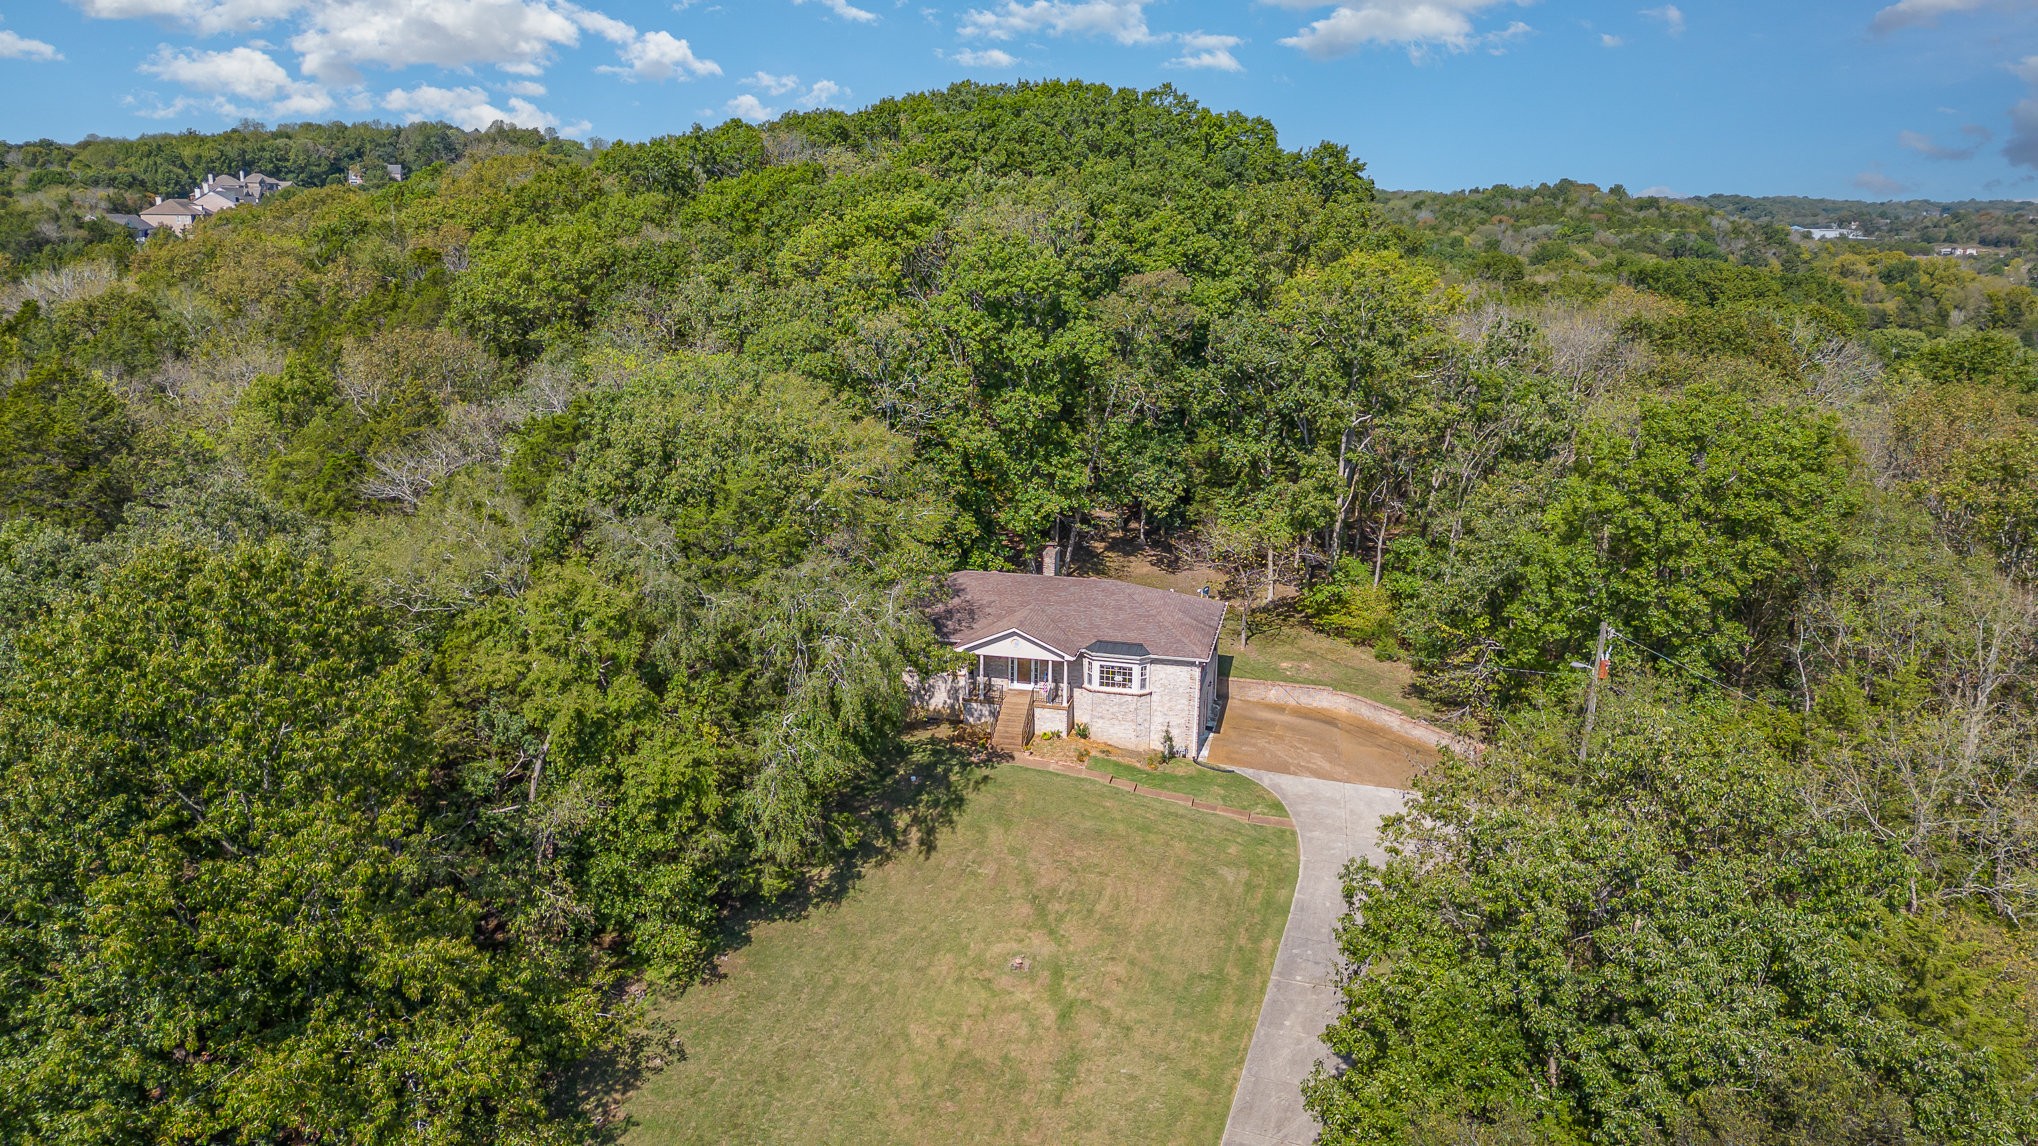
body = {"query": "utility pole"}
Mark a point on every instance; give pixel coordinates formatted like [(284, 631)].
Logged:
[(1599, 673)]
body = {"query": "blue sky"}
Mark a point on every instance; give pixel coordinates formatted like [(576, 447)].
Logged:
[(1898, 98)]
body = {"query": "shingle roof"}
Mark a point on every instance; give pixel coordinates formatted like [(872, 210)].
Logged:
[(1077, 613)]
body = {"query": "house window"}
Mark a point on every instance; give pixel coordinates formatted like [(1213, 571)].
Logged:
[(1122, 676)]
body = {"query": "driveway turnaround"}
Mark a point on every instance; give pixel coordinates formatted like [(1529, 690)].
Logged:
[(1315, 742), (1333, 822)]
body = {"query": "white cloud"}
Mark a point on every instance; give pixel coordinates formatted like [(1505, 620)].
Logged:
[(1977, 136), (1122, 20), (658, 56), (822, 93), (1419, 24), (846, 10), (747, 106), (1203, 50), (1609, 40), (1911, 13), (524, 88), (774, 85), (468, 107), (1876, 183), (13, 47), (518, 36), (205, 16), (337, 39), (240, 74), (1671, 15), (988, 58), (2028, 70)]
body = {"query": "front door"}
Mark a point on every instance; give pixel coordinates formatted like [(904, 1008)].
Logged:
[(1022, 672)]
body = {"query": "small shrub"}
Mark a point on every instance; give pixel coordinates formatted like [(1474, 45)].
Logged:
[(1387, 649), (1081, 731), (1154, 760), (1349, 605), (1082, 756), (1169, 749)]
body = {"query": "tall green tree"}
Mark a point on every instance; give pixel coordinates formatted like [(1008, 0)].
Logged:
[(233, 901), (64, 440), (1663, 944)]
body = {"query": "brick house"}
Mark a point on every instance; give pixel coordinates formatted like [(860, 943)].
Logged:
[(1137, 665)]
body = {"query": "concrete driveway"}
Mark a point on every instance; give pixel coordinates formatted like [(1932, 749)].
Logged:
[(1315, 742), (1334, 822)]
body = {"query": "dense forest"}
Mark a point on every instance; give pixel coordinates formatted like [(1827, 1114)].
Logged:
[(430, 611)]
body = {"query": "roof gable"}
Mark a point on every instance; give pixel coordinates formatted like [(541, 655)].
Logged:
[(1014, 643)]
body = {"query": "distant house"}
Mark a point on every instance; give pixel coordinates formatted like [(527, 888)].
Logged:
[(218, 193), (141, 227), (356, 179), (260, 185), (242, 188), (1850, 231), (214, 201), (1137, 665), (176, 215)]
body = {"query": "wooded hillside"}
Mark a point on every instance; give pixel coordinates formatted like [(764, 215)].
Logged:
[(429, 610)]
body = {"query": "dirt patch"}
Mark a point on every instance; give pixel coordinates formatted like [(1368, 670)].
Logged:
[(1312, 742)]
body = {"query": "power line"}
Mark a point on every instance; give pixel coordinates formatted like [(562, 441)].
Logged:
[(1618, 635)]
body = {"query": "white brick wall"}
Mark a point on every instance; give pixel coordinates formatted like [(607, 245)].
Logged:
[(1119, 718), (1177, 700), (1174, 702)]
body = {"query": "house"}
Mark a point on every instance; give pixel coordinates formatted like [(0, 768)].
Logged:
[(175, 214), (1136, 665), (257, 185), (140, 227), (244, 188), (395, 170), (218, 193), (216, 200)]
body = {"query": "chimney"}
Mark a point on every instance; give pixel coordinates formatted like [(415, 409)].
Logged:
[(159, 200), (1050, 561)]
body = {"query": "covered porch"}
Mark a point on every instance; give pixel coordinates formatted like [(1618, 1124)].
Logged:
[(1015, 672), (1046, 678)]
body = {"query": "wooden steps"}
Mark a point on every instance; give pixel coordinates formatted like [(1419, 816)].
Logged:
[(1014, 726)]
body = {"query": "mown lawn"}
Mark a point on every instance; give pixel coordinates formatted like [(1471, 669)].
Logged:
[(1290, 652), (895, 1014), (1191, 779)]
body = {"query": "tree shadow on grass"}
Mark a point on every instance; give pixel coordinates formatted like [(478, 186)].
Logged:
[(924, 789), (917, 797)]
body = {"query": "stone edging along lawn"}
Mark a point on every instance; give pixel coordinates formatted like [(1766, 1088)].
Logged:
[(1027, 760)]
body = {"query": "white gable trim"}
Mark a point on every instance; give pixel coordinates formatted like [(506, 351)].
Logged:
[(1013, 643)]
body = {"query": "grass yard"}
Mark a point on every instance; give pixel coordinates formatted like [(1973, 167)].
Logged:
[(1186, 777), (1289, 652), (895, 1014)]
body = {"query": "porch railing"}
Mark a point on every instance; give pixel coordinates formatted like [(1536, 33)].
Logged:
[(983, 688)]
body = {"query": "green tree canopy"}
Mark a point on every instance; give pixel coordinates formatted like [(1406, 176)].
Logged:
[(230, 909)]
